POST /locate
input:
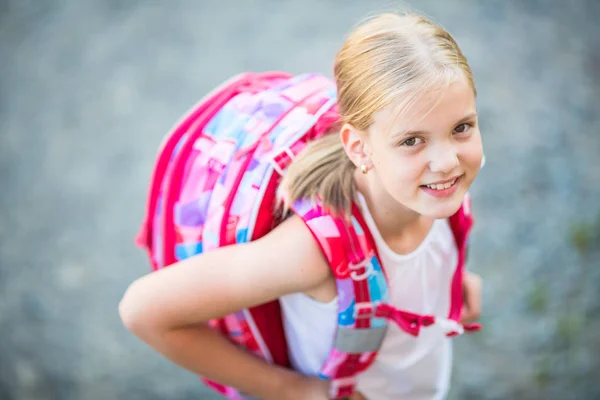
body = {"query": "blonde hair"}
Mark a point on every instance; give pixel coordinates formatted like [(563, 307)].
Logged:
[(390, 59)]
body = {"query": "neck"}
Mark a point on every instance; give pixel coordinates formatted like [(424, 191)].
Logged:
[(402, 229)]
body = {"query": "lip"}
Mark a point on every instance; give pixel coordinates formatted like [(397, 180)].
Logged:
[(446, 181), (444, 192)]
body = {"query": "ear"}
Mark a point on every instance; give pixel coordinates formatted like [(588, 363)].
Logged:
[(355, 145)]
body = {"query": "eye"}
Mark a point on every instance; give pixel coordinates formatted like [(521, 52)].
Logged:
[(463, 128), (410, 142)]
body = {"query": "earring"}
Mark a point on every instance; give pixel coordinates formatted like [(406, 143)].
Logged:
[(363, 169)]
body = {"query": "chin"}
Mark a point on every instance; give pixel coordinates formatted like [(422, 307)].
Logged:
[(442, 209), (443, 214)]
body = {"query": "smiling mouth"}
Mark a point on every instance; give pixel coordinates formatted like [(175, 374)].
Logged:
[(442, 186)]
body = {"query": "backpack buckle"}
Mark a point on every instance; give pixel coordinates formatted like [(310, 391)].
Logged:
[(282, 159), (365, 309), (340, 388)]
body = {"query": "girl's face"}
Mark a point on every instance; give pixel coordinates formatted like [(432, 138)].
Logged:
[(427, 160)]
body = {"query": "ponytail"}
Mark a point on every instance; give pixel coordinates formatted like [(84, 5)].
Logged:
[(323, 171)]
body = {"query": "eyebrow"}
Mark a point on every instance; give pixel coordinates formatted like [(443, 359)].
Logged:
[(417, 132)]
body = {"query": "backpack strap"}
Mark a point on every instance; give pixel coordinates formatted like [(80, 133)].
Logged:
[(363, 295), (361, 285), (460, 223)]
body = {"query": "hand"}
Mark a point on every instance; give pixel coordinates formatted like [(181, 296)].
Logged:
[(472, 297), (315, 389), (357, 396), (307, 387)]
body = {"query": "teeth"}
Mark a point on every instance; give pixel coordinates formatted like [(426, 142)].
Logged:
[(442, 186)]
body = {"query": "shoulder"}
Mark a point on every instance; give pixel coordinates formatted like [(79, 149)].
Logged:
[(291, 248)]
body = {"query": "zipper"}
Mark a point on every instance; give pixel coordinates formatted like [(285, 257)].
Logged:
[(172, 187), (245, 82), (227, 221), (144, 237)]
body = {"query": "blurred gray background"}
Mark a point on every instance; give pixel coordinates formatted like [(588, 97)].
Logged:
[(88, 88)]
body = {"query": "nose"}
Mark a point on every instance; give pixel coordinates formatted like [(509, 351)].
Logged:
[(443, 159)]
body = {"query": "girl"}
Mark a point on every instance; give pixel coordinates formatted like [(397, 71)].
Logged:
[(407, 149)]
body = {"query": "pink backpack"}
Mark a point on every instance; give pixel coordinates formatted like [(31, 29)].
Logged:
[(214, 185)]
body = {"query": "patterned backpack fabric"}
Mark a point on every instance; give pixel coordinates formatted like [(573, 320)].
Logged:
[(214, 184)]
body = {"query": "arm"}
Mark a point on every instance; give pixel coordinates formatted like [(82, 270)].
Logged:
[(168, 309), (472, 284)]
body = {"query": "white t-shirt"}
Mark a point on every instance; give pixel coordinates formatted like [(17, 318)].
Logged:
[(406, 367)]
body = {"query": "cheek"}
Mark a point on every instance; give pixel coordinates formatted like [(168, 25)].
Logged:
[(399, 172), (472, 155)]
